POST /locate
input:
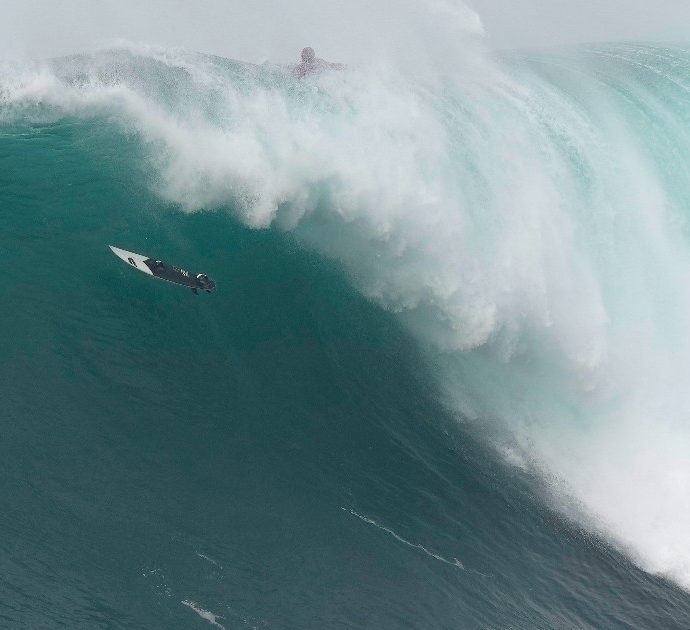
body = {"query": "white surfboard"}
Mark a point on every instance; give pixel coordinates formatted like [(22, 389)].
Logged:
[(136, 260)]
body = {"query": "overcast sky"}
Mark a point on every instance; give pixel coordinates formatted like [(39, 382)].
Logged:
[(346, 29), (524, 23)]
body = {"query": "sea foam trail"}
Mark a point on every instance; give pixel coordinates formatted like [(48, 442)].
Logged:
[(526, 221), (204, 614), (453, 563)]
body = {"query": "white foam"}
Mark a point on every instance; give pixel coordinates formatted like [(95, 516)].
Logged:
[(204, 614), (454, 562)]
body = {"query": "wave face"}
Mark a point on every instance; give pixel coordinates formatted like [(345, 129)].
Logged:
[(517, 228)]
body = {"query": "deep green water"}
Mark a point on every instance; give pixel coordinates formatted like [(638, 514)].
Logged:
[(279, 454)]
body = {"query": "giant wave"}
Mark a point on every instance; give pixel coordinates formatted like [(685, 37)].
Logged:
[(525, 216)]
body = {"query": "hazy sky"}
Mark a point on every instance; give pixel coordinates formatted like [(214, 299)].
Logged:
[(521, 23), (260, 29)]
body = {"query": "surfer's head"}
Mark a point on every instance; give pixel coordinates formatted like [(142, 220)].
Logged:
[(308, 54)]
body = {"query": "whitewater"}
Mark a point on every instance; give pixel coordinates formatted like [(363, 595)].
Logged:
[(524, 217)]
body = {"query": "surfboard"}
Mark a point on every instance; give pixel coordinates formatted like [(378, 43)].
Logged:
[(165, 271)]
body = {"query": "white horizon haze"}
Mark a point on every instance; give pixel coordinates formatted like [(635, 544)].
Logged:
[(346, 31)]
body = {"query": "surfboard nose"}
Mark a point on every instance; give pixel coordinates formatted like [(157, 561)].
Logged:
[(136, 260)]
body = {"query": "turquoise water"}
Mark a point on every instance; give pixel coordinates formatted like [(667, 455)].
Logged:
[(440, 384)]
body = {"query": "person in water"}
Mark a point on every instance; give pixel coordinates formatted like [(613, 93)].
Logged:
[(311, 64)]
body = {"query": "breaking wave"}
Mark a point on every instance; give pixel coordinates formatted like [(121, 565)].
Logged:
[(525, 216)]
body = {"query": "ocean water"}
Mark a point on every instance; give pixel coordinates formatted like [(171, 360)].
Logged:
[(443, 382)]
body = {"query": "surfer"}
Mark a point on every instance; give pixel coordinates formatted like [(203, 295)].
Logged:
[(311, 64)]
